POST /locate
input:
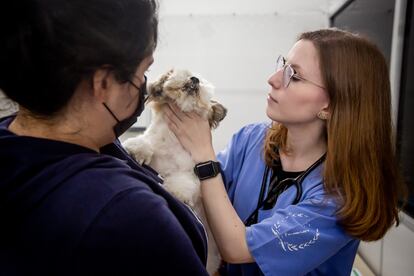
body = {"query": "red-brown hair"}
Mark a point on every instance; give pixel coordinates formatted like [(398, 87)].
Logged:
[(361, 168)]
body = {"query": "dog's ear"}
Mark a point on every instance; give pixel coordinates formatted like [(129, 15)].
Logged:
[(159, 83), (216, 114)]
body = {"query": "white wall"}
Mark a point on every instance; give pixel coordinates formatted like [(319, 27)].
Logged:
[(234, 45), (398, 249)]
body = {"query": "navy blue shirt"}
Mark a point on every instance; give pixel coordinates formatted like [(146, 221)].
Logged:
[(67, 210)]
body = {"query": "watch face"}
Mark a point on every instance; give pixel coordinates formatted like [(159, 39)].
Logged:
[(205, 170)]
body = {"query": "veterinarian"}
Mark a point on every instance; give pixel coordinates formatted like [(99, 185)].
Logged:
[(295, 196), (71, 201)]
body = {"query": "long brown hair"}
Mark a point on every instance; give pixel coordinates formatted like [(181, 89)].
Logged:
[(361, 168)]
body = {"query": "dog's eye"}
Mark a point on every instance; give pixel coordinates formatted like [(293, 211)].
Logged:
[(158, 93)]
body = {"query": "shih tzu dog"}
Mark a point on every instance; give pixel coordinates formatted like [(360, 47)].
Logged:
[(159, 148)]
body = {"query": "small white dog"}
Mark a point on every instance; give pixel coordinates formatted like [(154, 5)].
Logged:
[(159, 148)]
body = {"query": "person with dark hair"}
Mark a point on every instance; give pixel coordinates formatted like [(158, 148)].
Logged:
[(72, 201), (295, 197)]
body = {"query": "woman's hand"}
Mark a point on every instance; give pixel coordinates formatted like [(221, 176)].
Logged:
[(228, 230), (192, 131)]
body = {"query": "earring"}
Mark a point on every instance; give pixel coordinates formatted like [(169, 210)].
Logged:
[(323, 115)]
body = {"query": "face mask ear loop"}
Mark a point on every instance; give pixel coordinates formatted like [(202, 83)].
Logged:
[(109, 110)]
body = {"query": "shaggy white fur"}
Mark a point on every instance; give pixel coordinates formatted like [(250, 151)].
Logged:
[(159, 148)]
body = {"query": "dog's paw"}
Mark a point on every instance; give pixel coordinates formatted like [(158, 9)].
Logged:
[(139, 149)]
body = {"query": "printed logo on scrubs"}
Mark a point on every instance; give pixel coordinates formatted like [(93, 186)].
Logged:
[(298, 239)]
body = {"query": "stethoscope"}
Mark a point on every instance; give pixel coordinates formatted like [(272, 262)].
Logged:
[(276, 190)]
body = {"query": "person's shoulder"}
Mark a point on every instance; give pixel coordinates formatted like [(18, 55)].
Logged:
[(124, 206), (255, 128), (103, 171), (136, 226), (313, 184), (313, 187), (99, 180), (134, 203), (252, 132), (107, 183)]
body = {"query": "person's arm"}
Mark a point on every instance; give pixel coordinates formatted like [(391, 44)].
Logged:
[(228, 230)]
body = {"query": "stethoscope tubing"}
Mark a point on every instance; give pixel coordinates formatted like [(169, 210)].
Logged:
[(276, 189)]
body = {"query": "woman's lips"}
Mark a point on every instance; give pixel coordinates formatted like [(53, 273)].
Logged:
[(270, 98)]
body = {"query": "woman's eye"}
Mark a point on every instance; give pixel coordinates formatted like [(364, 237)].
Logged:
[(295, 78)]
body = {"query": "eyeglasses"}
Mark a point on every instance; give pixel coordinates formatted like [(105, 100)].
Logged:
[(289, 73)]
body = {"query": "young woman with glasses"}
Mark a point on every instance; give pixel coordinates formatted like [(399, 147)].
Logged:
[(296, 196)]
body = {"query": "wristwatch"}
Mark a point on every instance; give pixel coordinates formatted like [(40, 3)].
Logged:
[(207, 169)]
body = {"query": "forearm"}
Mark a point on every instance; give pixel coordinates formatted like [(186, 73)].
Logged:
[(228, 229)]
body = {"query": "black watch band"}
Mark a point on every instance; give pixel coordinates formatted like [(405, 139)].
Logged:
[(207, 169)]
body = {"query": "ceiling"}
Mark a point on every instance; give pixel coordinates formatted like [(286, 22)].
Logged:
[(197, 7)]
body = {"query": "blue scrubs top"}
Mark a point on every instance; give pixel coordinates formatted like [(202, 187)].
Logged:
[(301, 239)]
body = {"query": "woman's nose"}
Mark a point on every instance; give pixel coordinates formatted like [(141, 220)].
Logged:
[(275, 80)]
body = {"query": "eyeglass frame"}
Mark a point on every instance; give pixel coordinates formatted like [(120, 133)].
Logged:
[(282, 65)]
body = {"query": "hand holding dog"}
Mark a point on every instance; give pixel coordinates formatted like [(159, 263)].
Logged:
[(192, 131)]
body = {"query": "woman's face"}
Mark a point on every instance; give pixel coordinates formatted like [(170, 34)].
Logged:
[(299, 102)]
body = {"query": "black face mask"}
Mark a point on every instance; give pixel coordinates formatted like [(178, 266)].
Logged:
[(125, 124)]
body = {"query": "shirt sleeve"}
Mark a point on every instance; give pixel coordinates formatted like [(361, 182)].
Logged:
[(136, 234), (232, 157), (298, 238)]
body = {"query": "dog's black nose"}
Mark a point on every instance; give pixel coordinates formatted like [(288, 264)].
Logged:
[(192, 85), (195, 80)]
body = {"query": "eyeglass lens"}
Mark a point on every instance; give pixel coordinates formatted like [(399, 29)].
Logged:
[(287, 70), (280, 63), (287, 75)]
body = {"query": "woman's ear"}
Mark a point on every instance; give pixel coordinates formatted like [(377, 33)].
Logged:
[(216, 114), (325, 111), (101, 81)]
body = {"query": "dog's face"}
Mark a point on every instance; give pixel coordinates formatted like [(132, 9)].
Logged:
[(189, 92)]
